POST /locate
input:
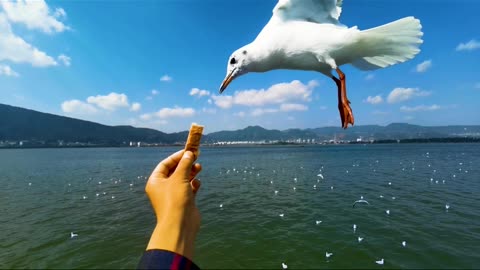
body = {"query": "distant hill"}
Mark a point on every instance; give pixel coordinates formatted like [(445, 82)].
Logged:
[(23, 124), (19, 124)]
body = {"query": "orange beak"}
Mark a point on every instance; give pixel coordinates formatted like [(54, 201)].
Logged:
[(227, 81)]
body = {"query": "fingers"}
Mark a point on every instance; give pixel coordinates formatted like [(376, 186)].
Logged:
[(195, 183), (195, 170), (184, 167), (167, 165)]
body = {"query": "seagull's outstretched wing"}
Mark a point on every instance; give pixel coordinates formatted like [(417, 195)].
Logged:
[(316, 11)]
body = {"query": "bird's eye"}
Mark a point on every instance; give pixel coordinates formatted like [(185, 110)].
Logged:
[(233, 61)]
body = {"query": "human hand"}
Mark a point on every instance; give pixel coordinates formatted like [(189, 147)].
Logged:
[(171, 189)]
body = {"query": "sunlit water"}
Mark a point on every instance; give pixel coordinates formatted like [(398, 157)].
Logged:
[(99, 194)]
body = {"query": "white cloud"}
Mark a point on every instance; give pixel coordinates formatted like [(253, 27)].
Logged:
[(323, 108), (198, 92), (154, 92), (275, 94), (6, 70), (223, 102), (370, 76), (76, 106), (424, 66), (36, 15), (477, 85), (135, 107), (469, 46), (293, 107), (374, 100), (240, 114), (109, 102), (166, 78), (14, 48), (400, 94), (146, 116), (175, 112), (420, 108), (209, 110), (260, 111), (66, 60)]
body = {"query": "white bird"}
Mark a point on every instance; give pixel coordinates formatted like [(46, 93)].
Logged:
[(447, 206), (307, 35), (281, 215), (84, 197), (354, 228), (72, 235), (294, 188), (29, 184), (388, 212), (328, 255), (360, 239), (380, 262), (221, 205), (320, 175), (318, 222), (314, 186), (284, 266), (389, 183), (381, 196), (360, 201), (276, 192), (404, 243), (331, 187)]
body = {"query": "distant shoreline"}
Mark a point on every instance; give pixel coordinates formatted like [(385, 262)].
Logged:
[(387, 141)]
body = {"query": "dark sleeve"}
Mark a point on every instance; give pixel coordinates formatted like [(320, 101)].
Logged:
[(164, 259)]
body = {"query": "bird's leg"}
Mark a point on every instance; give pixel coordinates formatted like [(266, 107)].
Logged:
[(343, 103)]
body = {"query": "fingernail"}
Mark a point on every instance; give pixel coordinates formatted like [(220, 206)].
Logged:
[(188, 154)]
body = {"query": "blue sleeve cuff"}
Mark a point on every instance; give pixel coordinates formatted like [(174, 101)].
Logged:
[(164, 259)]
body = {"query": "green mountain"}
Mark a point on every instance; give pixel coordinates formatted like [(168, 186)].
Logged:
[(23, 124), (37, 128)]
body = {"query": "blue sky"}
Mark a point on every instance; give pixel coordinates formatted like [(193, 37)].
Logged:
[(159, 64)]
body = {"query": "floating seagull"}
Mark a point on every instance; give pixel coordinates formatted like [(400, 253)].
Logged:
[(320, 175), (328, 255), (354, 228), (318, 222), (294, 188), (360, 239), (284, 266), (388, 212), (389, 183), (113, 197), (29, 184), (281, 215), (307, 35), (381, 196), (447, 206), (362, 201), (314, 186), (72, 235), (331, 187), (221, 205), (84, 197), (404, 243), (276, 192), (380, 262)]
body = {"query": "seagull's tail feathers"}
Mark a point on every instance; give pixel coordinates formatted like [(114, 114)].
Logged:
[(389, 44)]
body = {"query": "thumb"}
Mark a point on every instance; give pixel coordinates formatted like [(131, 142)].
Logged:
[(184, 167)]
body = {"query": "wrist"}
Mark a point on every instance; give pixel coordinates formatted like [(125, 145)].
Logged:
[(168, 235)]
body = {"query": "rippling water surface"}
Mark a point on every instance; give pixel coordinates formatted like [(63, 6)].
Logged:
[(99, 194)]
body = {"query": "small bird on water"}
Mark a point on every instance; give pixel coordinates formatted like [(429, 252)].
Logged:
[(307, 35)]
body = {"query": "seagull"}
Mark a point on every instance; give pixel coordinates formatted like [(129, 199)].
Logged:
[(388, 212), (221, 205), (318, 222), (404, 243), (320, 175), (360, 201), (360, 239), (281, 215), (276, 192), (447, 206), (307, 35), (284, 266), (354, 228), (72, 235), (328, 254), (380, 262)]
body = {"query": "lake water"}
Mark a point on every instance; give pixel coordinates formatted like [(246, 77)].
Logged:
[(99, 194)]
